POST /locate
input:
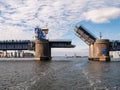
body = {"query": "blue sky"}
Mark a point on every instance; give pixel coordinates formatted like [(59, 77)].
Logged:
[(18, 18)]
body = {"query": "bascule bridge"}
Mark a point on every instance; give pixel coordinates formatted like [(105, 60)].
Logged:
[(98, 48)]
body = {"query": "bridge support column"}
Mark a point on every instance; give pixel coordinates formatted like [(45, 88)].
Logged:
[(91, 51), (42, 50), (5, 54), (15, 54), (21, 54), (100, 50)]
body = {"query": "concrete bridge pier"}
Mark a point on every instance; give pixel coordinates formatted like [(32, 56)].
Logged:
[(5, 53), (15, 54), (91, 52), (42, 49), (22, 54), (99, 50)]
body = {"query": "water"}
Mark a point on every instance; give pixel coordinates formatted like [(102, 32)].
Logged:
[(59, 74)]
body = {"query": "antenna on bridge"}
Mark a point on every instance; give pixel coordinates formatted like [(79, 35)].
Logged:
[(100, 35)]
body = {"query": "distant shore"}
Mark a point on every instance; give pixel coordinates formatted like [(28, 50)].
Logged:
[(16, 59)]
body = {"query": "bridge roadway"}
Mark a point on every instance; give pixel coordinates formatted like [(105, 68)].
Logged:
[(30, 45), (85, 35)]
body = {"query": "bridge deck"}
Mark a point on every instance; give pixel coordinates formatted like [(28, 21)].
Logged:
[(16, 45), (61, 44), (85, 35), (30, 45)]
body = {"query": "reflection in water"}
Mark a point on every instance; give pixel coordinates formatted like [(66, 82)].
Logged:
[(59, 74)]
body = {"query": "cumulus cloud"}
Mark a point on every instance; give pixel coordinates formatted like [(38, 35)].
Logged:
[(102, 15), (26, 14)]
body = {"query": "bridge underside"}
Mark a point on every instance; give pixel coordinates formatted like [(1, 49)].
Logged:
[(42, 48), (61, 44), (30, 45)]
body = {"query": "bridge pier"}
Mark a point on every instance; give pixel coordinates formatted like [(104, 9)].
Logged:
[(5, 53), (21, 54), (42, 49), (99, 50)]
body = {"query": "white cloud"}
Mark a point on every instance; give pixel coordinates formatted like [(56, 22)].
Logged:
[(59, 14), (15, 33), (102, 15), (30, 13)]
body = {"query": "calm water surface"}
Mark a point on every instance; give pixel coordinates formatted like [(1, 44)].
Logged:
[(59, 74)]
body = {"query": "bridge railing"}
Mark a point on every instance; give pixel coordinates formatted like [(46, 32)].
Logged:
[(17, 45), (15, 41)]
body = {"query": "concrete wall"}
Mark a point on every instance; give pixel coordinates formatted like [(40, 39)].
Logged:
[(42, 50), (100, 50)]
